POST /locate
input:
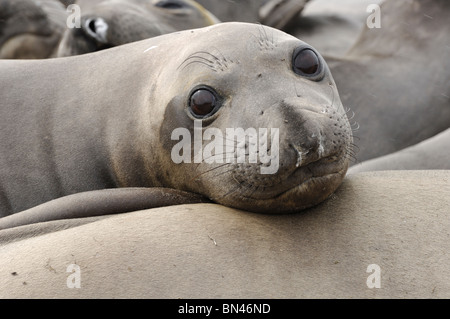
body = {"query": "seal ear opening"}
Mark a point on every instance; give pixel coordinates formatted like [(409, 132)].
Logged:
[(96, 28)]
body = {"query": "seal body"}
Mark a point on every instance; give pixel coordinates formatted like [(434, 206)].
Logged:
[(30, 29), (396, 103), (273, 13), (45, 29), (109, 120), (398, 221), (332, 27), (433, 153)]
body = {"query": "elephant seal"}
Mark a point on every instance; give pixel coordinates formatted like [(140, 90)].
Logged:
[(111, 119), (273, 13), (100, 202), (108, 23), (433, 153), (332, 27), (396, 103), (30, 29), (398, 221)]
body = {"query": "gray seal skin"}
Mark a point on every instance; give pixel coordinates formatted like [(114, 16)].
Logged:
[(433, 153), (332, 27), (273, 13), (99, 203), (107, 120), (398, 220), (109, 23), (395, 79), (30, 29)]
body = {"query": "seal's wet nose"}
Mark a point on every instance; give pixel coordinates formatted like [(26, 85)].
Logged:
[(316, 138)]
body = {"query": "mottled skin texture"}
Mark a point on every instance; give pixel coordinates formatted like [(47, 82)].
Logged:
[(395, 78), (109, 23), (107, 121), (397, 220)]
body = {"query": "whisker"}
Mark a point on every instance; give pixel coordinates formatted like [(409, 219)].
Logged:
[(198, 57), (209, 66), (211, 170), (223, 57), (354, 146), (332, 94), (229, 193), (218, 154), (357, 126), (211, 62), (350, 156), (352, 116), (208, 53), (254, 190), (295, 88), (355, 137)]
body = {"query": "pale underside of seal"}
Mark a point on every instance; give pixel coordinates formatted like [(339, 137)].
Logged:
[(396, 220), (109, 118)]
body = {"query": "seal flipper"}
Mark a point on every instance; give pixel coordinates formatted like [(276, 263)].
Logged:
[(279, 13), (101, 202)]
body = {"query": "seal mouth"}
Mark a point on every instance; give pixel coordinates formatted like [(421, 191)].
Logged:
[(302, 178), (303, 186)]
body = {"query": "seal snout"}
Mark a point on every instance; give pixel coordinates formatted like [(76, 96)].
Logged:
[(317, 134)]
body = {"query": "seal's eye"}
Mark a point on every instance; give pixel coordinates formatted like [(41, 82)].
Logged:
[(306, 62), (169, 4), (202, 102)]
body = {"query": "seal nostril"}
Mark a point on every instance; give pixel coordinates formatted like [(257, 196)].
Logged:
[(97, 29), (91, 26)]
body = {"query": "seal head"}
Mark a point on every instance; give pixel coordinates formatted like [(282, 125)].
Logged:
[(30, 29), (276, 89), (110, 23)]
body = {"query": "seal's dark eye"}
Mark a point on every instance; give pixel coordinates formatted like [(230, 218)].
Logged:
[(202, 102), (306, 62), (169, 4)]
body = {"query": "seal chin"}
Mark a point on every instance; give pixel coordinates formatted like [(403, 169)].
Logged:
[(307, 186), (307, 194), (313, 171), (321, 184)]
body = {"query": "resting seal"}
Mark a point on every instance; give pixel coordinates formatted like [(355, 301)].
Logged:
[(30, 29), (109, 120), (273, 13), (397, 103), (332, 27), (109, 23), (433, 153), (396, 220)]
